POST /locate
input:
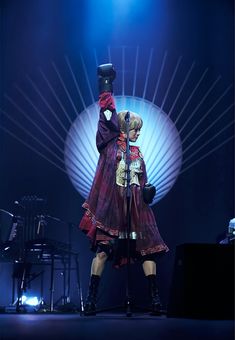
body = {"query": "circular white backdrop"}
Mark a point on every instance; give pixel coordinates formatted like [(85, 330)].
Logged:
[(159, 142)]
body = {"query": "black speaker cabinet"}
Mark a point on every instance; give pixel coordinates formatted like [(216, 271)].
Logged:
[(202, 285)]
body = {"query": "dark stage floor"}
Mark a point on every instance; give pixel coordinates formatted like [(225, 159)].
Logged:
[(111, 326)]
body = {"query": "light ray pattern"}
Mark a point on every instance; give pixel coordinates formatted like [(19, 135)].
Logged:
[(187, 115), (83, 157)]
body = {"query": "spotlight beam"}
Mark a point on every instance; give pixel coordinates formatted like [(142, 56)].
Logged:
[(65, 88), (159, 77), (149, 136), (123, 70), (39, 113), (56, 97), (81, 169), (109, 55), (75, 177), (96, 58), (165, 186), (33, 149), (181, 88), (84, 175), (208, 112), (32, 136), (79, 92), (78, 173), (43, 145), (155, 93), (87, 79), (135, 72), (185, 150), (36, 139), (75, 82), (165, 174), (164, 165), (30, 120), (84, 143), (90, 90), (163, 102), (163, 191), (150, 170), (73, 167), (171, 81), (208, 128), (191, 95), (180, 91), (207, 154), (164, 182), (152, 146), (147, 73), (207, 142), (88, 142), (47, 105), (76, 148), (196, 87), (200, 103)]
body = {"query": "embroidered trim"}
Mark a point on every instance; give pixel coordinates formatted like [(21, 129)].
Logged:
[(156, 249), (98, 224)]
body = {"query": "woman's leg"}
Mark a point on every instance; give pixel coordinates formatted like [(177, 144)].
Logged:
[(149, 267), (98, 263), (97, 268)]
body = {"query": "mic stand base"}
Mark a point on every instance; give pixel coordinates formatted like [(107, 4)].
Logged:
[(128, 308)]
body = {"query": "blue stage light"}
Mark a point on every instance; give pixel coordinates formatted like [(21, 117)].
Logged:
[(159, 142), (30, 301)]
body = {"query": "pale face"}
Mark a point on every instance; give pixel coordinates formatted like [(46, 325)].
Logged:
[(134, 134)]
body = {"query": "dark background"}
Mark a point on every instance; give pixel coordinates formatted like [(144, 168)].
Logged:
[(34, 33)]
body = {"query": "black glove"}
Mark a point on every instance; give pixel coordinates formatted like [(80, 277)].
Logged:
[(106, 75), (149, 192)]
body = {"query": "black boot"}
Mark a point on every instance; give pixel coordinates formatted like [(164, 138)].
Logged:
[(90, 306), (156, 307)]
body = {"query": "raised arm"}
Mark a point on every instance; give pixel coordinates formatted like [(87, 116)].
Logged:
[(108, 127)]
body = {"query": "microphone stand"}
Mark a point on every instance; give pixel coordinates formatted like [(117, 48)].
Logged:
[(128, 201)]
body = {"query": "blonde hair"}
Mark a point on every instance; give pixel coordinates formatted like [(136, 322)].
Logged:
[(136, 121)]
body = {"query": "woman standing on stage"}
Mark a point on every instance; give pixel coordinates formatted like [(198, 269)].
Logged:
[(105, 217)]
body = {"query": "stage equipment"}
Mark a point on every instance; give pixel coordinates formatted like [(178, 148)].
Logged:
[(31, 303), (230, 234), (51, 252), (202, 286), (11, 233), (231, 227), (25, 243)]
